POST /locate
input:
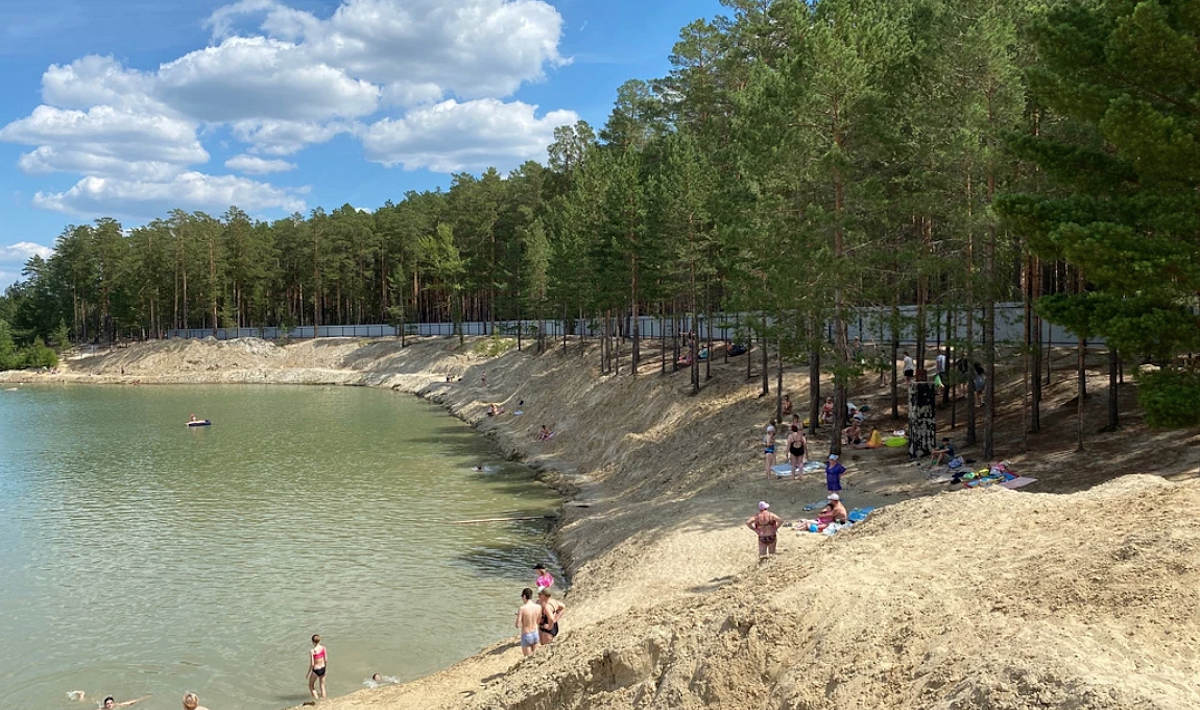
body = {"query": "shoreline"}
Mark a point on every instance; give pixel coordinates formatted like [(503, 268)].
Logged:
[(656, 484)]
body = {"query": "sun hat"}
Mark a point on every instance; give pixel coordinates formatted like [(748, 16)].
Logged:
[(763, 505), (834, 496)]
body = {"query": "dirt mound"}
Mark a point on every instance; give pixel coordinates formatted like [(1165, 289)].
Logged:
[(986, 599), (966, 599)]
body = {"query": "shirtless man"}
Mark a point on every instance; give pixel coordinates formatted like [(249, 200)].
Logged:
[(552, 611), (766, 524), (528, 616), (834, 510)]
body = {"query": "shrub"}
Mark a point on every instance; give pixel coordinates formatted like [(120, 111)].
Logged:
[(1170, 396)]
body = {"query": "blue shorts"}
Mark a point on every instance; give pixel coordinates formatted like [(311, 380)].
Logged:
[(529, 639)]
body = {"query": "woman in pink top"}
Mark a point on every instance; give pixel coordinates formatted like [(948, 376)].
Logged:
[(316, 667), (544, 580)]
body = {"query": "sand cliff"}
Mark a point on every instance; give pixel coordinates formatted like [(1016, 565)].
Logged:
[(1077, 592)]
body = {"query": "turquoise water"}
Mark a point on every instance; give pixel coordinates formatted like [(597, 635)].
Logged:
[(142, 556)]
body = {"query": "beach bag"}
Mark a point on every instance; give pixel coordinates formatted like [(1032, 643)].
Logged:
[(955, 462)]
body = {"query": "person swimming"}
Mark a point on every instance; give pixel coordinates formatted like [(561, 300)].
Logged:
[(108, 703), (377, 680)]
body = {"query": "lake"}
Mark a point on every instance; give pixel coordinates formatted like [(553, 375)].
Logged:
[(138, 555)]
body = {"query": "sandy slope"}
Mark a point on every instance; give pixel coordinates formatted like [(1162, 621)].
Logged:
[(964, 599)]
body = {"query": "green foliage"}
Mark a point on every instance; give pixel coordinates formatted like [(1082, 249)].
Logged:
[(494, 346), (9, 359), (1171, 397), (38, 355), (61, 338)]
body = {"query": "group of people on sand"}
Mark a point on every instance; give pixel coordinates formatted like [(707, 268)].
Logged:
[(766, 524), (538, 615), (797, 453)]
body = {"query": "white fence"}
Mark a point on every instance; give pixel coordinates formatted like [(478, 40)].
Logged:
[(868, 324)]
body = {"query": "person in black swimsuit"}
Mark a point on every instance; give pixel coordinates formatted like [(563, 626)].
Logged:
[(795, 444), (552, 611)]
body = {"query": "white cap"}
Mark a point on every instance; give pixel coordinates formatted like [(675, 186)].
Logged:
[(834, 496), (770, 428), (833, 457), (763, 505)]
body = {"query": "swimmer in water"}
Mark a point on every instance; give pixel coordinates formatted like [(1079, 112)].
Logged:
[(378, 680), (108, 702), (191, 701)]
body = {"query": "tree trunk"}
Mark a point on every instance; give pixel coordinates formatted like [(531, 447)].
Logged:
[(1113, 390), (814, 376), (778, 380), (766, 374), (1082, 388)]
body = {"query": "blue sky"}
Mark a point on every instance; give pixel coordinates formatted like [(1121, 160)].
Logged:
[(128, 108)]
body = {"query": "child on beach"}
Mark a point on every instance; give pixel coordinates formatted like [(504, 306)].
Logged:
[(316, 667)]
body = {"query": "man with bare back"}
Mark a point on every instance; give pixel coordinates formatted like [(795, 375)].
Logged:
[(528, 617)]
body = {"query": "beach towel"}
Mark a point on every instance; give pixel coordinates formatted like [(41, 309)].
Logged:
[(860, 514), (1018, 482), (784, 470)]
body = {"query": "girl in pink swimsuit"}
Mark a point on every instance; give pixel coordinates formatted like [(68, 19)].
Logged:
[(316, 667)]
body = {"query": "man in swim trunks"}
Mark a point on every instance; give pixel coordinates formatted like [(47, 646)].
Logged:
[(528, 616), (766, 525), (552, 611)]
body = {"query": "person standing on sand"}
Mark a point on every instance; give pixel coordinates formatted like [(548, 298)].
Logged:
[(191, 701), (528, 616), (317, 658), (766, 525), (769, 448), (796, 446), (552, 611), (833, 474), (909, 368)]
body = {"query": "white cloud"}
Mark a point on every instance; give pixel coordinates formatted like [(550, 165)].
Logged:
[(421, 50), (23, 251), (258, 166), (285, 137), (105, 141), (252, 78), (453, 136), (281, 79), (99, 81), (189, 191)]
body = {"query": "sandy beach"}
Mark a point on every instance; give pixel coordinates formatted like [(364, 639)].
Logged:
[(1078, 591)]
